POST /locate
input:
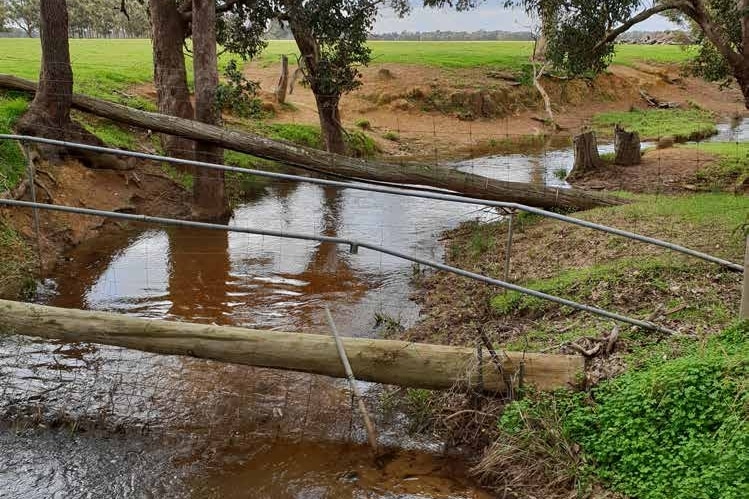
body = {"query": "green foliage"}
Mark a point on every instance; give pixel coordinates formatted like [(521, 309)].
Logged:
[(12, 161), (392, 136), (677, 429), (359, 144), (682, 124), (419, 408), (364, 124), (237, 94)]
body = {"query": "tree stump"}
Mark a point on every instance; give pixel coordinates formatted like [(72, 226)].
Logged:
[(586, 154), (283, 81), (627, 147)]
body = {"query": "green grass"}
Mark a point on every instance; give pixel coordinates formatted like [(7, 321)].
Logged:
[(16, 264), (112, 134), (682, 124), (101, 66), (500, 54), (12, 162), (732, 166)]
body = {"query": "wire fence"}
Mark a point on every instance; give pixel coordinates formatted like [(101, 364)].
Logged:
[(251, 280)]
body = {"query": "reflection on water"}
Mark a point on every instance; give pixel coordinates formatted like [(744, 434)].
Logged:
[(233, 416)]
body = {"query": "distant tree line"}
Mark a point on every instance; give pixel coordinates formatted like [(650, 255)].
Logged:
[(87, 18), (438, 36)]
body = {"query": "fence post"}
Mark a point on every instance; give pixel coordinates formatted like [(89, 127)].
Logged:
[(744, 313)]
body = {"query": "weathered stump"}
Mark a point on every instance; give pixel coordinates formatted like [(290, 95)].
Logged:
[(283, 80), (586, 154), (627, 147)]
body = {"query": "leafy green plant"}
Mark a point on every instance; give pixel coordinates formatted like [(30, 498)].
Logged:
[(237, 94), (677, 429), (364, 124), (392, 136)]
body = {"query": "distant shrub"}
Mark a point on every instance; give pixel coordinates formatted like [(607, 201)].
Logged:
[(237, 94)]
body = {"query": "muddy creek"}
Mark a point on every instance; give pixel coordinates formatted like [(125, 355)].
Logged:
[(235, 431)]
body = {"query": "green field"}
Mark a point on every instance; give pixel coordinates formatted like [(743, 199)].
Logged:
[(652, 124), (104, 65)]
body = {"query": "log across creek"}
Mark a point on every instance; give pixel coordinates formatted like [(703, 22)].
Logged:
[(383, 361), (439, 176)]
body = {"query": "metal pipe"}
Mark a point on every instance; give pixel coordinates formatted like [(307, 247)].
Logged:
[(388, 190), (347, 242)]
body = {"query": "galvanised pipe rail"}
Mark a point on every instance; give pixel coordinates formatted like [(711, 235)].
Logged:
[(353, 245), (388, 190)]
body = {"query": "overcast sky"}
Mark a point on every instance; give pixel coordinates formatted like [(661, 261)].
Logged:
[(488, 16)]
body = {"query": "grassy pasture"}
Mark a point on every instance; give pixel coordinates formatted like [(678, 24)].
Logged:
[(102, 66)]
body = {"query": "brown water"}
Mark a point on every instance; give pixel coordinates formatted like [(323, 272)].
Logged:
[(216, 430)]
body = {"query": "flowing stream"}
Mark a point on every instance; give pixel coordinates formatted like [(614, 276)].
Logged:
[(239, 431)]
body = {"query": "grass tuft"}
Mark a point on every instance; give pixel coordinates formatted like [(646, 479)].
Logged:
[(651, 124)]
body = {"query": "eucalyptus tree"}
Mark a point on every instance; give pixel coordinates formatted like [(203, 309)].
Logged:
[(24, 15), (584, 31)]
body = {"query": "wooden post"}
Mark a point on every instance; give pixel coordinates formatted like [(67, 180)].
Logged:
[(744, 311), (627, 147), (382, 361), (283, 80)]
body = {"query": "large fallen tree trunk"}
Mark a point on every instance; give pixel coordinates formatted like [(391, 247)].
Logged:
[(382, 361), (407, 173)]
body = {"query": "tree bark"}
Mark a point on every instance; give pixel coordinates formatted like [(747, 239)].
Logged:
[(327, 101), (208, 187), (383, 361), (626, 147), (330, 123), (586, 154), (49, 113), (168, 33), (283, 80), (438, 176)]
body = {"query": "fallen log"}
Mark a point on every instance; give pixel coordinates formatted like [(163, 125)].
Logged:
[(383, 361), (442, 177)]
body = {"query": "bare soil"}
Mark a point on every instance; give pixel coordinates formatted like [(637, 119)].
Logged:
[(144, 190), (452, 112), (665, 171)]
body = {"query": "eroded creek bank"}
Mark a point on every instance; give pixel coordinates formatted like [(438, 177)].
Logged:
[(228, 431)]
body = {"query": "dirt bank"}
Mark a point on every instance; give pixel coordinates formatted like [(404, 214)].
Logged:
[(145, 189), (451, 112)]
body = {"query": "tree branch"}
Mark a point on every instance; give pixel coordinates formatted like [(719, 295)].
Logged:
[(220, 9), (642, 16), (698, 13)]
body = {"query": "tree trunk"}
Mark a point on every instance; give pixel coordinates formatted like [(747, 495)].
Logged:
[(283, 80), (208, 188), (383, 361), (442, 177), (742, 77), (330, 123), (49, 113), (586, 154), (168, 32), (327, 102), (627, 147)]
